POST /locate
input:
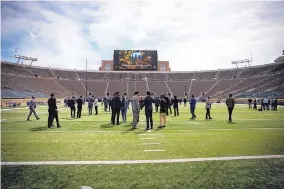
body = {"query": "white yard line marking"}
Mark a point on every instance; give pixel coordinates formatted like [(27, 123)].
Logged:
[(150, 143), (154, 150), (147, 138), (142, 161), (153, 134), (86, 187), (2, 120), (184, 130)]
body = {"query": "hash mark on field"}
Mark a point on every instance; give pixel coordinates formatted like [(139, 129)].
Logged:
[(145, 134), (143, 161), (150, 143), (154, 150), (147, 138)]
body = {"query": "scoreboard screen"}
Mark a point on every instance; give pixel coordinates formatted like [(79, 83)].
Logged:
[(135, 60)]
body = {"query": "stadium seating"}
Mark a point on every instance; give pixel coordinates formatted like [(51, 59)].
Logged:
[(199, 87), (158, 88), (41, 72), (15, 69), (97, 88), (32, 85), (74, 86), (71, 75), (178, 88), (25, 79)]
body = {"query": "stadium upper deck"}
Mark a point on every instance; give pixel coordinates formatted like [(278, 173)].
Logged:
[(217, 83)]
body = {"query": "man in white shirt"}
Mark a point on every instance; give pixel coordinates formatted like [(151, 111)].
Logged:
[(96, 104)]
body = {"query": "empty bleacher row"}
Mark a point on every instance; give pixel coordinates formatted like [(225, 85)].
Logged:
[(216, 83)]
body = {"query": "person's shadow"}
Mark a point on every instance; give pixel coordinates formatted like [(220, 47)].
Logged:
[(108, 125), (38, 129), (231, 122)]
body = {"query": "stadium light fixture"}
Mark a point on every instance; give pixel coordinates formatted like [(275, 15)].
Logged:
[(242, 62), (19, 57)]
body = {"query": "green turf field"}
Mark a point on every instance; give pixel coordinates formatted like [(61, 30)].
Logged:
[(93, 138)]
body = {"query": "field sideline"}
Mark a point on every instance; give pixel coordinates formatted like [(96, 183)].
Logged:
[(94, 139)]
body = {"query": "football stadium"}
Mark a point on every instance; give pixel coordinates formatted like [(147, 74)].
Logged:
[(137, 123)]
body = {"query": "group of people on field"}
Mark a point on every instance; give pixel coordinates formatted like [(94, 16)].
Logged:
[(121, 104), (265, 103)]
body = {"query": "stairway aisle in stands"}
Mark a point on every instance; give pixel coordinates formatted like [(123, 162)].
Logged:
[(169, 90), (97, 88), (178, 87), (117, 87), (66, 92), (147, 85), (158, 87), (207, 93), (106, 91)]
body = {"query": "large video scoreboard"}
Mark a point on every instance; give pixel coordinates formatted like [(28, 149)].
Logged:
[(135, 60)]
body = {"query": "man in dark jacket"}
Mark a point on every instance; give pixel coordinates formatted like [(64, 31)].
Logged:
[(71, 105), (157, 103), (230, 102), (148, 103), (175, 102), (168, 104), (116, 105), (79, 106), (52, 111), (163, 109), (275, 104), (249, 102)]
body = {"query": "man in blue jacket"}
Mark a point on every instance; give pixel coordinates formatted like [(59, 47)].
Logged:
[(124, 107), (192, 106)]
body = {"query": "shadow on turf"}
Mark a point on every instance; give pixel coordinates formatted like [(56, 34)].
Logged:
[(231, 122), (68, 118), (38, 129), (108, 125)]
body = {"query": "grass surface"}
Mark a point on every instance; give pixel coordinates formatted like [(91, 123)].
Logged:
[(93, 138)]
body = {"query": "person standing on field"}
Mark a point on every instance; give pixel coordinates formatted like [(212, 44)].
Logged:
[(148, 103), (96, 104), (90, 104), (192, 107), (175, 102), (163, 110), (124, 108), (208, 107), (32, 107), (53, 111), (230, 102), (71, 105), (135, 109), (79, 107)]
